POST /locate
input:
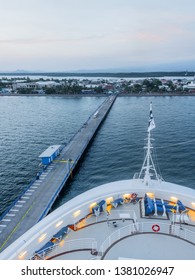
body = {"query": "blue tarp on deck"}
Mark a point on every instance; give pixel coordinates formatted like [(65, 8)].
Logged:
[(102, 205), (96, 210), (149, 205), (117, 201), (48, 245), (61, 233), (181, 206)]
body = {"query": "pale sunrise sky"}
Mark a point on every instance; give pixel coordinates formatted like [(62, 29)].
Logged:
[(68, 35)]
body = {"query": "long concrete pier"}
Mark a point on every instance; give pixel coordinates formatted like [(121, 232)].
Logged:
[(37, 199)]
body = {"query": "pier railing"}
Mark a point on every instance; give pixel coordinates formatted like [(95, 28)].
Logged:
[(46, 210), (21, 195), (19, 224)]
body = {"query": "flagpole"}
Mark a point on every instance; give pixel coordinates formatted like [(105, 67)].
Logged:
[(148, 163), (147, 173)]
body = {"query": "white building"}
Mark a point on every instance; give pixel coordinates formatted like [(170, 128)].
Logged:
[(190, 86), (46, 84), (19, 85)]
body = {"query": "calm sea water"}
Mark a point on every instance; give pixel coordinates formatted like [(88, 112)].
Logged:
[(28, 125)]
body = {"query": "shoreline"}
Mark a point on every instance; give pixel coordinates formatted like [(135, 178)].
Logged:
[(103, 95)]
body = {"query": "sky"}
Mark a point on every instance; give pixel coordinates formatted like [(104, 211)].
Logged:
[(74, 35)]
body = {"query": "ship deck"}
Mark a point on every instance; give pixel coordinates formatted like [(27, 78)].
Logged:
[(128, 235), (120, 229)]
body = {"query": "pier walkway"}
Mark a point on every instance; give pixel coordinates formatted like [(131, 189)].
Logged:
[(37, 199)]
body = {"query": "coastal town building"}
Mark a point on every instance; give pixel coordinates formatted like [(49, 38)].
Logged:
[(46, 84), (33, 85), (23, 85), (190, 86), (70, 85)]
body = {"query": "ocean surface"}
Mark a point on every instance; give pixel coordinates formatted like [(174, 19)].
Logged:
[(28, 125)]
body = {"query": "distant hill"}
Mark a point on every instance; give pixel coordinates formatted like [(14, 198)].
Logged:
[(179, 68), (103, 74)]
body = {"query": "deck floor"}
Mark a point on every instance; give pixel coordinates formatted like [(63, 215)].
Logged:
[(147, 245)]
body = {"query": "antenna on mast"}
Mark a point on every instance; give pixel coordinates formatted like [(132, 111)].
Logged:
[(148, 169)]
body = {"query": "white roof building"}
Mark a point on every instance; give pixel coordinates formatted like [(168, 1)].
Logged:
[(48, 84), (191, 85), (50, 151)]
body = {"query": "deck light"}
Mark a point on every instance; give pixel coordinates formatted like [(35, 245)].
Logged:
[(42, 237), (173, 198), (77, 213), (92, 205), (127, 195), (22, 254), (150, 194), (61, 244), (58, 224), (193, 204), (109, 199)]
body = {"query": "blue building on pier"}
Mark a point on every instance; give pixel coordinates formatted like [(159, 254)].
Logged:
[(50, 154)]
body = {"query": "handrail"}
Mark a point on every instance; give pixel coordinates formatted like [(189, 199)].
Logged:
[(75, 244), (145, 227), (20, 196), (46, 210), (40, 172)]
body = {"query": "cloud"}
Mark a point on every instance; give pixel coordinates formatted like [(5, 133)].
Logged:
[(150, 37), (42, 40), (79, 32)]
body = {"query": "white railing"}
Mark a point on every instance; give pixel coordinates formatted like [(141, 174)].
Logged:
[(134, 216), (116, 236), (78, 244), (42, 254), (142, 208), (147, 227), (67, 246), (157, 227), (114, 214), (117, 214), (183, 233)]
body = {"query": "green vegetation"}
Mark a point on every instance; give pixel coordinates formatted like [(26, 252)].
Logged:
[(75, 86)]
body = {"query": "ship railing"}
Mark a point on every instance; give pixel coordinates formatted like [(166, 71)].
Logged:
[(115, 215), (142, 208), (65, 247), (74, 245), (146, 227), (183, 233), (136, 176), (119, 214), (170, 229), (116, 236), (123, 215), (81, 243), (42, 254)]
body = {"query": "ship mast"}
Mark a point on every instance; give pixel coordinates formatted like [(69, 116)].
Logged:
[(148, 169)]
